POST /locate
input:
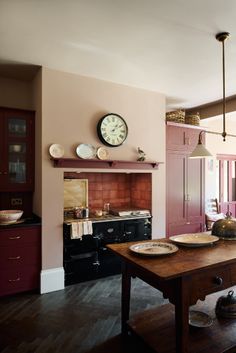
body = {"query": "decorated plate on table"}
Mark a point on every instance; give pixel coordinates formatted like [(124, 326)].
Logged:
[(86, 151), (154, 248), (194, 239)]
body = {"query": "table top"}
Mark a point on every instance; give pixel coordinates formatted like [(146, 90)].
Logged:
[(185, 261)]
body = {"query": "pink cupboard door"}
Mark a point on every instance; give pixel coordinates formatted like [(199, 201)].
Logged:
[(181, 138), (195, 191), (176, 186)]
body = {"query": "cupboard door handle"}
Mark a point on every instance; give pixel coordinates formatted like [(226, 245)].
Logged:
[(14, 258), (13, 238), (127, 233), (187, 141), (14, 280), (218, 280)]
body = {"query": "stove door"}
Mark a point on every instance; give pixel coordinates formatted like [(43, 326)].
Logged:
[(137, 229), (108, 232)]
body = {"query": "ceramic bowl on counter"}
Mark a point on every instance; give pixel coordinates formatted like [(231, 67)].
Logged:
[(10, 216)]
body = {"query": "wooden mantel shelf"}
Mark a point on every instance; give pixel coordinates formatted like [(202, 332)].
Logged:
[(97, 163)]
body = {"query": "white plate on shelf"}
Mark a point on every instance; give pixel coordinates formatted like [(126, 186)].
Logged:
[(199, 319), (194, 239), (102, 153), (86, 151), (154, 248), (56, 151)]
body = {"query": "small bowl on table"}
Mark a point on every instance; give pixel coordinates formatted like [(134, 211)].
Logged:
[(10, 216)]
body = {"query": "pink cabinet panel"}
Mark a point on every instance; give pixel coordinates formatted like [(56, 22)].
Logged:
[(185, 183), (195, 189), (185, 228), (182, 138), (176, 187)]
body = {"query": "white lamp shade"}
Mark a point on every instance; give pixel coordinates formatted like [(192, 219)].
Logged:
[(200, 152)]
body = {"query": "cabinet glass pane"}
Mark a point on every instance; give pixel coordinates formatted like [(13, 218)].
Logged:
[(17, 127), (226, 178), (17, 162)]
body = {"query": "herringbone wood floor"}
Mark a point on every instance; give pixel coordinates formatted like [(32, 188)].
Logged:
[(81, 318)]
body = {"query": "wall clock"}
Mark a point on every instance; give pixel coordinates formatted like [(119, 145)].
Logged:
[(112, 130)]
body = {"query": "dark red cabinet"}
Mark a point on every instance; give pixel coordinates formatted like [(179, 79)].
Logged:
[(185, 182), (20, 259), (16, 150)]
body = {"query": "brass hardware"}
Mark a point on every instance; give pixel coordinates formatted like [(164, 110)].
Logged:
[(14, 258), (13, 238), (187, 197), (14, 280)]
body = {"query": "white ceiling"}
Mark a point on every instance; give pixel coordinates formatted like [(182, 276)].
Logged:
[(168, 46)]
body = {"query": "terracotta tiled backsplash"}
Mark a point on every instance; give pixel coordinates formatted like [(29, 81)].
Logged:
[(118, 189)]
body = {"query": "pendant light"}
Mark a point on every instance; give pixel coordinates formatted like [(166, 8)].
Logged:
[(221, 37), (200, 151)]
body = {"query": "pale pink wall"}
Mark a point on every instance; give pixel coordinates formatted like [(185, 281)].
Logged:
[(16, 93), (71, 107)]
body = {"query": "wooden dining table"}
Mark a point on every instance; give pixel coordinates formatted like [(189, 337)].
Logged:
[(184, 277)]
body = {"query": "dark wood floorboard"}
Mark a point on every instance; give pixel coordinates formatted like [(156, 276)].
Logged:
[(82, 318)]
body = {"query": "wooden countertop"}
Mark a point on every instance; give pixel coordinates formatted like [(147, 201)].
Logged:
[(185, 261)]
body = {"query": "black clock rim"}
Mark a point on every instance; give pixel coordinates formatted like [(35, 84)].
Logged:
[(100, 134)]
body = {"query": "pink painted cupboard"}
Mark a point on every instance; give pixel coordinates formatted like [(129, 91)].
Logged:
[(185, 181)]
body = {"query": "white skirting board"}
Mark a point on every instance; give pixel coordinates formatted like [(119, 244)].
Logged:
[(52, 280)]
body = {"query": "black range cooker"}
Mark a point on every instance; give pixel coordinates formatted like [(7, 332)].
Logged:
[(88, 258)]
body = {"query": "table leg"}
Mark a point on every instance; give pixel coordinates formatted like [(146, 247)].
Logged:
[(125, 298), (182, 316)]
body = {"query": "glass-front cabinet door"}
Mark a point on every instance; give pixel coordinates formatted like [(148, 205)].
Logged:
[(16, 169), (227, 183)]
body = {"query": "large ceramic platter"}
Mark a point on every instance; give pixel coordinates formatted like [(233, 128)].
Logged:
[(86, 151), (199, 319), (194, 239), (154, 248), (56, 151)]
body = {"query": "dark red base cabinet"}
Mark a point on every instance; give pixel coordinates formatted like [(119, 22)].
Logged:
[(20, 259)]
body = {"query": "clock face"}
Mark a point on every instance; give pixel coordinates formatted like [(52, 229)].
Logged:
[(112, 130)]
